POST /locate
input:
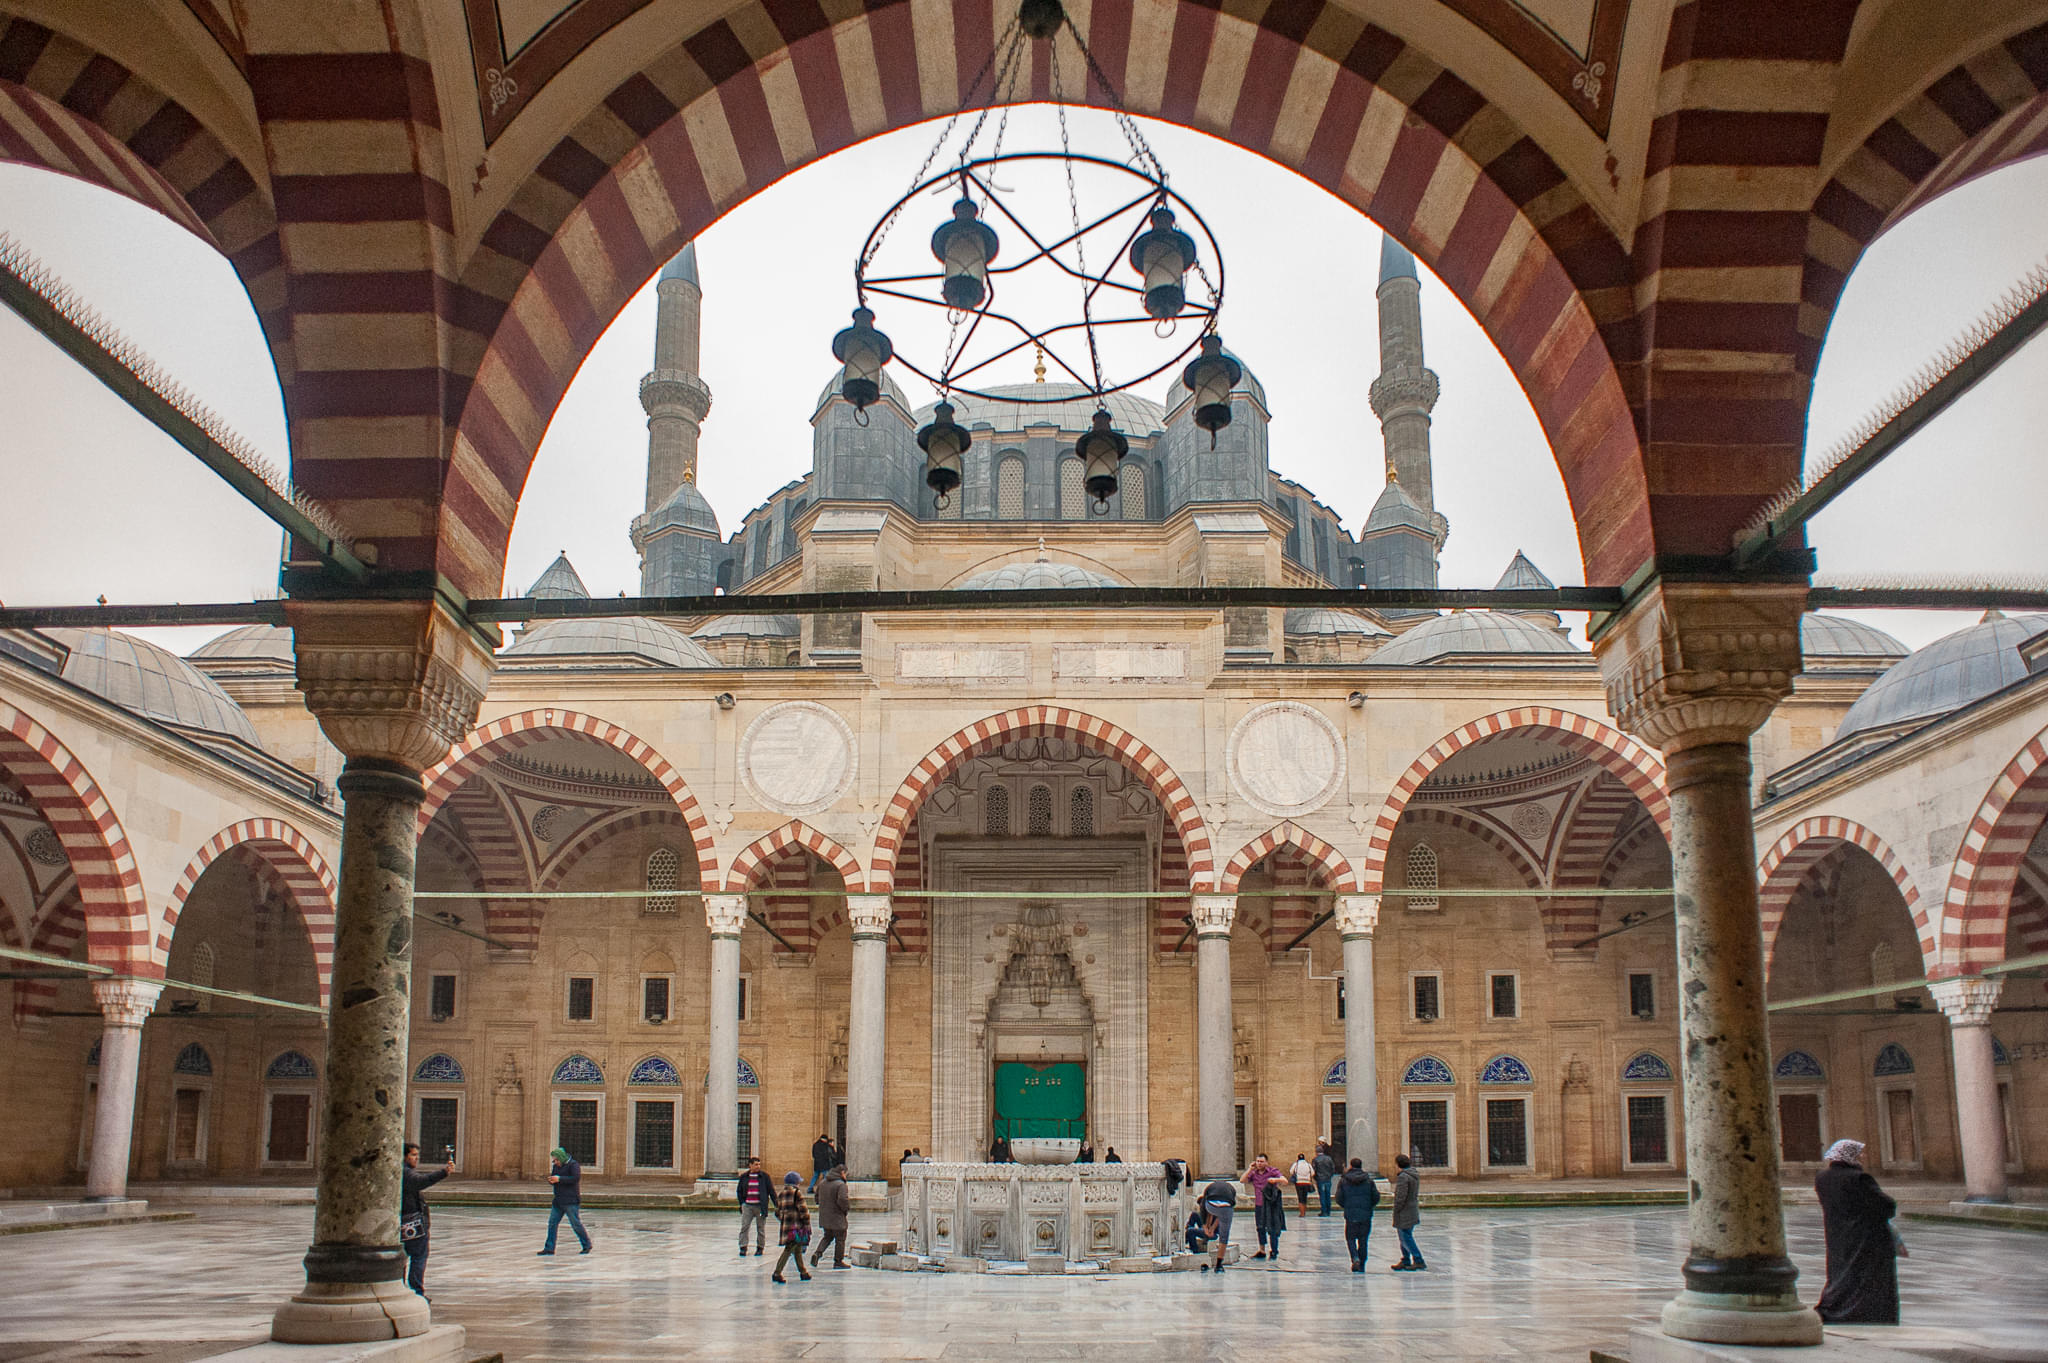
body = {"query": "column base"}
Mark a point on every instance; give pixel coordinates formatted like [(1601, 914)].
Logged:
[(1718, 1318), (351, 1313)]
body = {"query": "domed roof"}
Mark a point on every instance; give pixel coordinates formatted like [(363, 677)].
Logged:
[(1317, 620), (1068, 406), (249, 643), (1470, 632), (749, 627), (1946, 675), (623, 641), (559, 583), (1523, 575), (150, 681), (1248, 384), (890, 390), (1043, 575), (1396, 510), (1832, 636), (686, 508)]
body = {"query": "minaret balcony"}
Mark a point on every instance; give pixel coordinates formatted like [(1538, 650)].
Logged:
[(1401, 391), (675, 392)]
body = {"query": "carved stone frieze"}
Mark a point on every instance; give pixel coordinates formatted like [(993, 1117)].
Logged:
[(1691, 663), (399, 681)]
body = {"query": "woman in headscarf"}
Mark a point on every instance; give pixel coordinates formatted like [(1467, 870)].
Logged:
[(1863, 1266)]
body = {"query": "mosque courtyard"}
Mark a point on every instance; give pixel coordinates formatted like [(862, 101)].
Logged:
[(1528, 1284)]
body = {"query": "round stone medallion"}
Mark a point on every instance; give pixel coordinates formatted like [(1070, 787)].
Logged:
[(1286, 758), (44, 848), (797, 757)]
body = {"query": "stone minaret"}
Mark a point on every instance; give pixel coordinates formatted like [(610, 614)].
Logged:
[(1405, 392), (678, 536)]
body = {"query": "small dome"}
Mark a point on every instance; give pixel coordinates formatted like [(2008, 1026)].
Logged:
[(1832, 636), (1043, 575), (1068, 406), (890, 390), (1248, 385), (1396, 510), (685, 508), (749, 627), (1522, 575), (1316, 620), (683, 265), (559, 583), (1946, 675), (250, 643), (152, 682), (1468, 633), (624, 641)]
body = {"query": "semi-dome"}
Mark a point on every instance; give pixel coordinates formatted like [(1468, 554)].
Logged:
[(150, 681), (685, 508), (1043, 575), (890, 390), (1946, 675), (560, 582), (1072, 409), (1247, 384), (1832, 636), (1317, 620), (623, 641), (749, 627), (1471, 632), (248, 644)]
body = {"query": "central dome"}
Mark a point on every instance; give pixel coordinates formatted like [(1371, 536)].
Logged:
[(1467, 633), (1043, 575), (1073, 409)]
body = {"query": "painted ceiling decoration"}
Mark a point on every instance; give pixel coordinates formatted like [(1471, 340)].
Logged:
[(1574, 45), (518, 46)]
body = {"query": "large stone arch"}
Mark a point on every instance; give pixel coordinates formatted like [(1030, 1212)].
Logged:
[(1337, 873), (1625, 759), (1035, 721), (1971, 933), (297, 865), (557, 869), (1801, 848), (118, 931), (796, 833)]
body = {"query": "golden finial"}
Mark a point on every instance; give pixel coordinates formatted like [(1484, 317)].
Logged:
[(1039, 368)]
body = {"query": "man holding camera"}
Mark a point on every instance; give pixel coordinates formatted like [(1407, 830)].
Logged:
[(412, 1213)]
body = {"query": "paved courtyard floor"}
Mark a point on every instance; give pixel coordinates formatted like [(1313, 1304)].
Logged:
[(1524, 1284)]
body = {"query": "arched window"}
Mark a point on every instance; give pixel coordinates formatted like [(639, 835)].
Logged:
[(1422, 881), (1073, 496), (995, 812), (1010, 489), (1038, 812), (193, 1060), (1133, 485), (202, 965), (1884, 966), (1081, 813), (664, 877)]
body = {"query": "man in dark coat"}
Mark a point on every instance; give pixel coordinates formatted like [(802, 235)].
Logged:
[(1325, 1165), (823, 1157), (1408, 1214), (757, 1203), (1357, 1194), (1863, 1264), (567, 1177), (413, 1217), (834, 1202)]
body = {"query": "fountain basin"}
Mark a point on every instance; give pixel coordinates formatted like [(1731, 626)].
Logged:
[(1081, 1212), (1045, 1149)]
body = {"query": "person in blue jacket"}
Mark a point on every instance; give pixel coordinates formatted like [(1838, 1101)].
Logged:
[(567, 1176)]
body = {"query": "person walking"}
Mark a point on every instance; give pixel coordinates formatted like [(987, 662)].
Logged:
[(757, 1201), (795, 1216), (1357, 1195), (567, 1177), (1218, 1205), (1863, 1264), (1407, 1214), (1260, 1175), (1272, 1216), (833, 1203), (1326, 1170), (413, 1217), (823, 1157), (1304, 1180)]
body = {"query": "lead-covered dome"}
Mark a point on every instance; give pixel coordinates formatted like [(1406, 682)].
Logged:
[(1832, 636), (150, 681), (1470, 633), (1072, 410), (624, 641), (749, 627), (1946, 675), (1043, 575), (1316, 620), (248, 645)]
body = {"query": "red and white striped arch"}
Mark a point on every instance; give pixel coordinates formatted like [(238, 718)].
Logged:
[(513, 732), (558, 866), (298, 866), (37, 131), (1337, 874), (1038, 721), (748, 868), (1971, 934), (1531, 874), (1802, 847), (117, 920), (1625, 759)]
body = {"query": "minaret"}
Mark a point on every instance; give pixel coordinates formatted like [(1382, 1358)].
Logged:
[(1405, 392), (677, 536)]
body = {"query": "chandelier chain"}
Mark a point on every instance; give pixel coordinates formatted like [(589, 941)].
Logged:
[(1128, 125), (1059, 103)]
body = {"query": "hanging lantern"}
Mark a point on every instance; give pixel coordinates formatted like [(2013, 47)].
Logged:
[(965, 246), (1163, 255), (943, 442), (1210, 377), (1101, 450), (864, 351)]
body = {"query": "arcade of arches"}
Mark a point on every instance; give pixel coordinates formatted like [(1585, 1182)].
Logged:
[(1263, 852)]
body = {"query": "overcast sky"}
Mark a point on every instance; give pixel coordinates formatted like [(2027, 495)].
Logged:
[(103, 504)]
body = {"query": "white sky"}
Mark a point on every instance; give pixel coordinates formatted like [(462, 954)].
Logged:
[(103, 504)]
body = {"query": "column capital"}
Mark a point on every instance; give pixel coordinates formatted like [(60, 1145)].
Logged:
[(725, 914), (398, 681), (126, 1003), (1692, 663), (869, 914), (1214, 913), (1967, 999), (1358, 915)]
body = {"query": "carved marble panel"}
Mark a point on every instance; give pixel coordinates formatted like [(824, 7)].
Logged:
[(957, 664), (1286, 758), (797, 757), (1134, 662)]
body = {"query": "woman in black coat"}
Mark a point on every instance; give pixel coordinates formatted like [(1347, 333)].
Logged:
[(1863, 1266)]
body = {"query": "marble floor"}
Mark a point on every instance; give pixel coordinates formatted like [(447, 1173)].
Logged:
[(1525, 1284)]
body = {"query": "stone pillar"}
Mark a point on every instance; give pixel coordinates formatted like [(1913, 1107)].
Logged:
[(866, 1032), (1215, 1037), (1968, 1001), (1357, 917), (125, 1004), (394, 684), (1695, 668), (724, 914)]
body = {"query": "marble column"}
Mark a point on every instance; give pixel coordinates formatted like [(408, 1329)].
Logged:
[(1696, 668), (125, 1005), (724, 914), (1215, 1038), (1968, 1001), (1357, 917), (866, 1033)]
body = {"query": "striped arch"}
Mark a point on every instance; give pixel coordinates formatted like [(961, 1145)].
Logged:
[(1337, 874), (1037, 721), (58, 929), (561, 863), (2017, 134), (117, 917), (749, 867), (298, 866), (1532, 875), (513, 732), (1803, 847), (769, 88), (1987, 865), (1625, 759)]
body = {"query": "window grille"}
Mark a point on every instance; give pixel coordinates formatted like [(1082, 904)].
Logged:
[(1649, 1133), (995, 812), (1038, 812), (1884, 966), (441, 1000), (1504, 1001), (744, 1132), (576, 1130), (1073, 496), (1010, 489), (582, 998), (1422, 868), (1133, 483), (1428, 998), (202, 967), (1507, 1133), (1642, 995), (654, 999), (664, 878), (1429, 1132), (1081, 813), (438, 1120), (654, 1135)]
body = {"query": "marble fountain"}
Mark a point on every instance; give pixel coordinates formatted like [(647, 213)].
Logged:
[(1044, 1216)]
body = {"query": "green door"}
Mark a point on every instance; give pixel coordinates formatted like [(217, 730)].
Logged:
[(1041, 1100)]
